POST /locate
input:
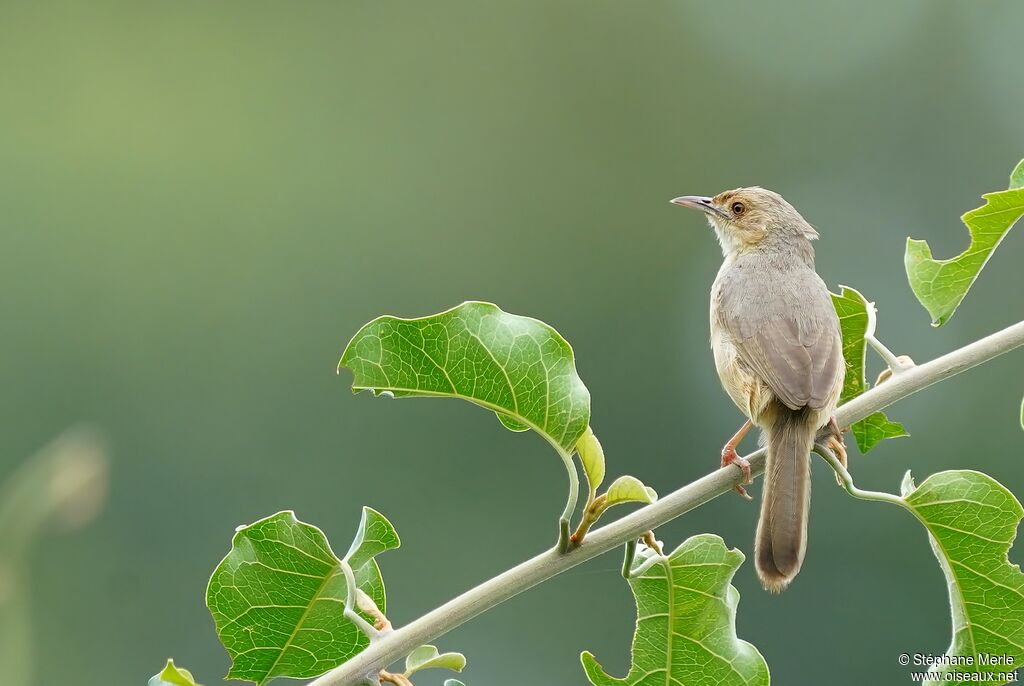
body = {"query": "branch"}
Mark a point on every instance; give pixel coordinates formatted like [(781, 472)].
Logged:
[(395, 645), (895, 362)]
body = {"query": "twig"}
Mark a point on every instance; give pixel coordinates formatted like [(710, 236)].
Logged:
[(365, 603), (402, 641), (651, 542), (595, 508), (396, 679), (896, 363)]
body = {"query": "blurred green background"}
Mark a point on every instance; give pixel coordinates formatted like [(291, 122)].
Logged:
[(200, 203)]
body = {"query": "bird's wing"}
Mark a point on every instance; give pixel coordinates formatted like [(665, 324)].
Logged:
[(787, 331)]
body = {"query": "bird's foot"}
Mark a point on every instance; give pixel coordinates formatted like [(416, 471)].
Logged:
[(835, 443), (730, 456)]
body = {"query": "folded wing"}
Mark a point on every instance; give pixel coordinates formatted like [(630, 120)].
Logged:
[(787, 331)]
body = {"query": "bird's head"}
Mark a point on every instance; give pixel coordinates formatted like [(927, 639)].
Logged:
[(746, 218)]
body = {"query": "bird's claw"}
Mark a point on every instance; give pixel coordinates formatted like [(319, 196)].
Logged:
[(730, 456), (835, 443)]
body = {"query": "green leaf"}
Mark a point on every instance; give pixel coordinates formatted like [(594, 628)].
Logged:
[(1022, 414), (173, 676), (511, 424), (972, 521), (592, 456), (854, 322), (941, 285), (857, 322), (1017, 176), (374, 536), (453, 682), (427, 657), (278, 598), (518, 367), (874, 429), (686, 615), (629, 489)]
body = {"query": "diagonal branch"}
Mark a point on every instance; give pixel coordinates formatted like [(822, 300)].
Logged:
[(364, 667)]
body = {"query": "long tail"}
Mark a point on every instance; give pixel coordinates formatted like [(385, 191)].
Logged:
[(782, 529)]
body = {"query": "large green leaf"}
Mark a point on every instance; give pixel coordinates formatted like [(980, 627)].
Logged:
[(972, 521), (519, 367), (686, 621), (278, 598), (857, 321), (941, 285)]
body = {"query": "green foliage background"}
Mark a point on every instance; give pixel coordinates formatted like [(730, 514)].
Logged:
[(200, 204)]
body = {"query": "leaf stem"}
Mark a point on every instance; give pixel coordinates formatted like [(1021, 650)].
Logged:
[(595, 508), (627, 558), (350, 602), (654, 559), (895, 364), (564, 522), (846, 481), (893, 361), (400, 642)]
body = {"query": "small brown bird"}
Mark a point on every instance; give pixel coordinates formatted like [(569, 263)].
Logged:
[(778, 351)]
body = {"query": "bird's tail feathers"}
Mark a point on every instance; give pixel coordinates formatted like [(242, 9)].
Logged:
[(782, 528)]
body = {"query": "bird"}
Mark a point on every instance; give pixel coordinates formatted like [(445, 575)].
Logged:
[(778, 351)]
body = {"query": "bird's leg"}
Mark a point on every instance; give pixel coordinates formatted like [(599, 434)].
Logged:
[(730, 456)]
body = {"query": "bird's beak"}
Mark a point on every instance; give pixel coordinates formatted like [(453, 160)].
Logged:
[(698, 202)]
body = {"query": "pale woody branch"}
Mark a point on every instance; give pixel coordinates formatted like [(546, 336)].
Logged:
[(394, 645)]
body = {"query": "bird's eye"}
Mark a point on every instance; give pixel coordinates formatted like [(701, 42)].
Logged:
[(738, 208)]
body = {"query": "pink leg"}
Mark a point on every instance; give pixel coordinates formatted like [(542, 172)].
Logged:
[(730, 456)]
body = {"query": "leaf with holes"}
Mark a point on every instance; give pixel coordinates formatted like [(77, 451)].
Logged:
[(518, 367), (857, 321), (278, 598), (972, 521), (941, 285), (686, 621)]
